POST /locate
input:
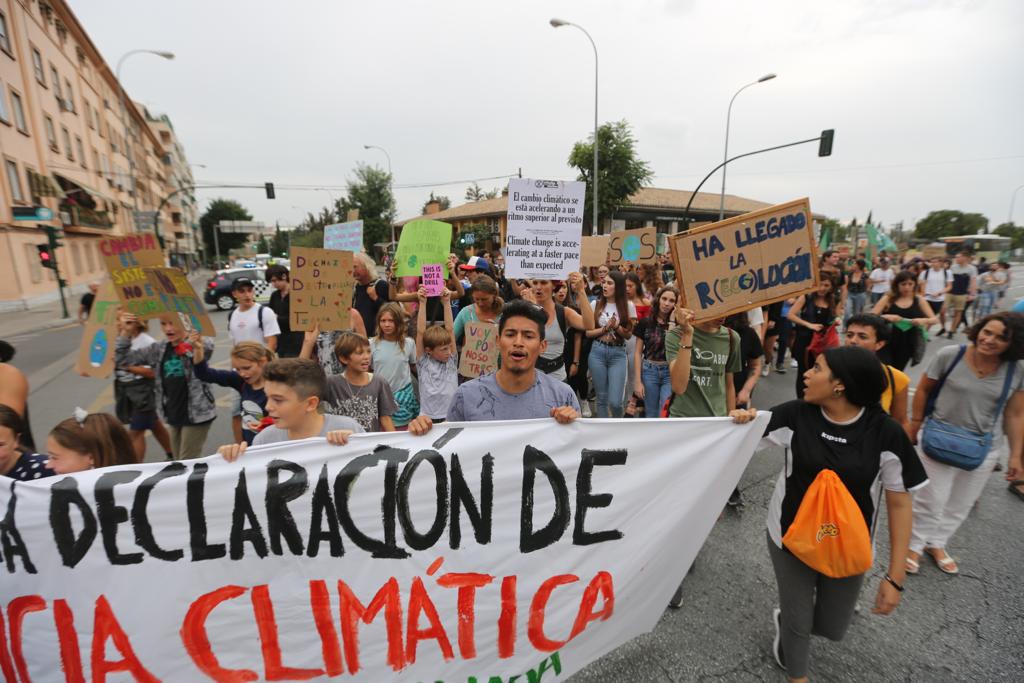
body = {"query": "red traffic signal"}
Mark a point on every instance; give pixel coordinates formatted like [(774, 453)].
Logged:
[(45, 255)]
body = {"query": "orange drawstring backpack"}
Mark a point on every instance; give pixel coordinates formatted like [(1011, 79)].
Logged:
[(828, 533)]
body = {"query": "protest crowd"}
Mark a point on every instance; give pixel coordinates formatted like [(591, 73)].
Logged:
[(613, 341)]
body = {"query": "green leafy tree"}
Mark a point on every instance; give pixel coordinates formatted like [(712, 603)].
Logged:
[(440, 199), (620, 172), (279, 243), (947, 223), (1014, 232), (223, 210), (370, 192)]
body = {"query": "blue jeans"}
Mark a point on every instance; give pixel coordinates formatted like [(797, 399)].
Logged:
[(657, 387), (855, 304), (608, 368), (986, 300)]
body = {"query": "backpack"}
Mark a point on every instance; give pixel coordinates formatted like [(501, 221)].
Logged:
[(560, 317), (829, 533), (259, 315)]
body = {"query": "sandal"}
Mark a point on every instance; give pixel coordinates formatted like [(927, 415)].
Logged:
[(1015, 488), (912, 566), (947, 565)]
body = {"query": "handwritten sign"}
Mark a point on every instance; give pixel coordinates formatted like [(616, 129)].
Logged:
[(433, 278), (422, 242), (344, 236), (633, 246), (479, 349), (126, 259), (594, 251), (321, 291), (544, 228), (747, 261), (96, 350), (176, 296)]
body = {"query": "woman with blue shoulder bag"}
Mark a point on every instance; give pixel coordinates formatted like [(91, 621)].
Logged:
[(970, 397)]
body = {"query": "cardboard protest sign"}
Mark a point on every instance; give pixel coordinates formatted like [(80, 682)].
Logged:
[(422, 242), (96, 350), (487, 551), (479, 349), (433, 278), (344, 236), (126, 257), (177, 296), (321, 291), (747, 261), (633, 246), (544, 228), (595, 251)]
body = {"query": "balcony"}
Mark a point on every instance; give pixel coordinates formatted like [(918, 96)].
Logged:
[(88, 218)]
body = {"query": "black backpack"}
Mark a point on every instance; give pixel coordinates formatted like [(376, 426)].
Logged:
[(259, 315)]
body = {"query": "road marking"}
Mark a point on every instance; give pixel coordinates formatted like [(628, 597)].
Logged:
[(104, 400)]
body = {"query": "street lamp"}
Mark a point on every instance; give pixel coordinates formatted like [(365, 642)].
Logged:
[(1013, 197), (558, 23), (124, 122), (725, 157), (391, 183)]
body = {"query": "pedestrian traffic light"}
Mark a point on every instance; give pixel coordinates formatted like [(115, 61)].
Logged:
[(45, 255), (270, 190), (825, 143)]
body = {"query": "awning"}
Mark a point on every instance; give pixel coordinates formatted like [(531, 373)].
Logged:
[(71, 188), (43, 185)]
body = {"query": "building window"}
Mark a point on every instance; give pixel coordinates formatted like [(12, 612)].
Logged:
[(99, 124), (81, 151), (14, 178), (76, 257), (37, 67), (96, 161), (19, 113), (90, 256), (70, 153), (5, 39), (70, 95), (33, 186), (5, 115), (35, 271), (55, 79), (51, 133)]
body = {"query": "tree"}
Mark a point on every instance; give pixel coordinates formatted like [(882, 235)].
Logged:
[(370, 192), (441, 199), (279, 243), (474, 193), (620, 172), (223, 210), (1014, 232), (947, 223)]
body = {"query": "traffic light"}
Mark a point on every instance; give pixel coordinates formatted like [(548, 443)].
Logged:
[(45, 256), (53, 236), (270, 190), (825, 144)]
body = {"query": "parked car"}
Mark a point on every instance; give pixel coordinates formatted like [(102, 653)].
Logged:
[(218, 287)]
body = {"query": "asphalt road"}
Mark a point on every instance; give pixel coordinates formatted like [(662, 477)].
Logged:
[(965, 628)]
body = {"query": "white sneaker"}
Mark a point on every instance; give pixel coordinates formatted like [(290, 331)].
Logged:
[(585, 409), (765, 369), (793, 363)]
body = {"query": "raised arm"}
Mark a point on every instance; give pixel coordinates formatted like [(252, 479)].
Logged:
[(584, 320), (421, 319), (679, 367)]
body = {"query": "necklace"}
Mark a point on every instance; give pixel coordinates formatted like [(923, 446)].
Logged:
[(976, 366)]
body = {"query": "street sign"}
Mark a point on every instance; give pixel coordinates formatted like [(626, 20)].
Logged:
[(145, 216), (32, 213), (241, 226)]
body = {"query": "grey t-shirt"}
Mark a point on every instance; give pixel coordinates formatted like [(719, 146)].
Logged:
[(438, 382), (273, 434), (482, 399), (969, 401), (365, 404)]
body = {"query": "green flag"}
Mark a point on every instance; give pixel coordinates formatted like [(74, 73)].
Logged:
[(879, 241), (825, 238)]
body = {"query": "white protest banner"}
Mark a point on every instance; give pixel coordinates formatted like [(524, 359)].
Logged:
[(344, 236), (545, 228), (479, 550), (433, 278)]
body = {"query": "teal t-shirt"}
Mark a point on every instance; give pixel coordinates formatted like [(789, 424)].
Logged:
[(713, 355)]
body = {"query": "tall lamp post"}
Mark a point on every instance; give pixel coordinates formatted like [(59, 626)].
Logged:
[(725, 156), (558, 23), (391, 183), (124, 118), (1013, 198)]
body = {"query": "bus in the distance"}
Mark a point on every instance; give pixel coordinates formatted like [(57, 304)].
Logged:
[(992, 247)]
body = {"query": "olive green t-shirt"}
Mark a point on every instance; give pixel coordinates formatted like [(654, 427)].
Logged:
[(711, 357)]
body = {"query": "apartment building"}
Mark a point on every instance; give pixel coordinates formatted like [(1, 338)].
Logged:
[(64, 145)]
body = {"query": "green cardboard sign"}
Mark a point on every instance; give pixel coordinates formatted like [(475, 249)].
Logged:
[(422, 242)]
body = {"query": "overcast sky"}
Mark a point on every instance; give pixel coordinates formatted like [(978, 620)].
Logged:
[(926, 96)]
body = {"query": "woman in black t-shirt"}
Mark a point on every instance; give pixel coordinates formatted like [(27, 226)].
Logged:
[(838, 426), (652, 381), (812, 313)]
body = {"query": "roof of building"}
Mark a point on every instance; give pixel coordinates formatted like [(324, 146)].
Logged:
[(644, 198)]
